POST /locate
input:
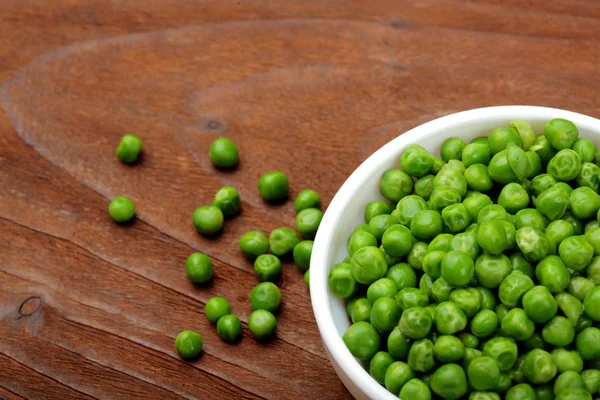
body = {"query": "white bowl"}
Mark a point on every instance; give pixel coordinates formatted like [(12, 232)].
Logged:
[(346, 211)]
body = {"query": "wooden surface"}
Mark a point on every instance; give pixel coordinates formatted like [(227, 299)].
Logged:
[(89, 309)]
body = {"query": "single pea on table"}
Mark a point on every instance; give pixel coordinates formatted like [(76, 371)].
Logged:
[(479, 274)]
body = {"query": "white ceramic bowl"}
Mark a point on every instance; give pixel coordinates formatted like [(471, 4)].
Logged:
[(346, 211)]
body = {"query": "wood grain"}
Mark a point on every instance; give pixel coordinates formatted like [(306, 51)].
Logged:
[(89, 309)]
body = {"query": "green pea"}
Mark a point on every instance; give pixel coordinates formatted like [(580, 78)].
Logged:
[(416, 255), (505, 383), (121, 209), (265, 296), (215, 308), (517, 160), (591, 379), (566, 360), (415, 323), (420, 355), (500, 169), (426, 285), (574, 394), (488, 299), (273, 186), (395, 184), (379, 365), (368, 265), (539, 367), (492, 269), (586, 149), (579, 287), (584, 202), (408, 206), (593, 270), (590, 225), (513, 287), (302, 253), (362, 340), (361, 311), (385, 314), (522, 391), (541, 183), (491, 237), (282, 241), (307, 278), (576, 252), (198, 268), (188, 344), (558, 332), (511, 234), (483, 373), (492, 212), (415, 389), (539, 304), (588, 176), (449, 381), (469, 300), (552, 203), (441, 290), (360, 239), (552, 273), (384, 287), (223, 153), (229, 328), (476, 153), (449, 318), (591, 304), (534, 165), (341, 281), (380, 223), (520, 263), (411, 297), (530, 217), (499, 138), (254, 244), (375, 208), (448, 349), (466, 243), (416, 161), (568, 380), (559, 230), (397, 240), (129, 148), (503, 350), (478, 178), (432, 263), (228, 200), (484, 323), (593, 237), (398, 344), (543, 148), (587, 343), (534, 244), (470, 341), (396, 376), (453, 178), (308, 198), (565, 165), (402, 275), (456, 217), (452, 149), (570, 306), (517, 325), (475, 204), (561, 133), (457, 268), (440, 242), (308, 221), (262, 324), (424, 186)]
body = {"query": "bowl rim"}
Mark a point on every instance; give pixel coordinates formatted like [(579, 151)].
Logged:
[(319, 291)]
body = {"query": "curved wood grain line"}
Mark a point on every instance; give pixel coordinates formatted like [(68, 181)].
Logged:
[(49, 377), (136, 274), (6, 391), (152, 348)]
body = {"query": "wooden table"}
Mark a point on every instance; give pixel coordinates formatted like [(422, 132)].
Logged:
[(89, 309)]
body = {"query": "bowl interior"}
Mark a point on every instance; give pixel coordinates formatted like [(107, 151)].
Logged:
[(346, 211)]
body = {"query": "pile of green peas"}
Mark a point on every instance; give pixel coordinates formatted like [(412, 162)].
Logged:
[(478, 276), (208, 220)]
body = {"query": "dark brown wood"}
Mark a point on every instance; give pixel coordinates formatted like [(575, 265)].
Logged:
[(89, 309)]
